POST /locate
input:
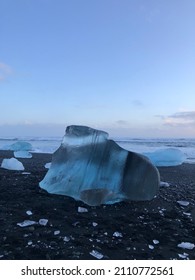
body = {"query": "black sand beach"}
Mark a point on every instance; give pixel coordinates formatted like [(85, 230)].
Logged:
[(126, 230)]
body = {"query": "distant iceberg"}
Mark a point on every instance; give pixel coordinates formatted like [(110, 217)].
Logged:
[(166, 157), (19, 146)]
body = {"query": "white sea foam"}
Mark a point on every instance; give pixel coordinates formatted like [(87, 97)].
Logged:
[(139, 145)]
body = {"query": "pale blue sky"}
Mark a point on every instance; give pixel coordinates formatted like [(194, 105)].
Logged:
[(124, 66)]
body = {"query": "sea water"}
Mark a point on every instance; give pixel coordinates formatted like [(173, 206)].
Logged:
[(139, 145)]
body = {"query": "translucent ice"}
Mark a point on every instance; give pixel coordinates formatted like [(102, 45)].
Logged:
[(22, 154), (166, 157), (12, 164), (89, 167), (186, 245), (19, 146)]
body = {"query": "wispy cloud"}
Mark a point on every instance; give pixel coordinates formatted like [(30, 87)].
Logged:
[(186, 118), (5, 71), (122, 123), (137, 103)]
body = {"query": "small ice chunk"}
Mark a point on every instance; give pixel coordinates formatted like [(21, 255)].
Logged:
[(29, 213), (96, 254), (12, 164), (164, 184), (30, 243), (117, 234), (26, 223), (94, 224), (155, 241), (48, 165), (56, 232), (82, 210), (66, 238), (43, 222), (151, 247), (183, 256), (183, 202), (166, 157), (26, 173), (187, 214), (186, 245), (22, 154)]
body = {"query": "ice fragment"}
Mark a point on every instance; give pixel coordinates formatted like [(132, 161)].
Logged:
[(186, 245), (26, 223), (183, 202), (117, 234), (96, 254), (22, 154), (82, 210), (43, 222), (29, 212), (12, 164)]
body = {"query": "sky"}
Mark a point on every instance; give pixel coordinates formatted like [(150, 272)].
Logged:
[(123, 66)]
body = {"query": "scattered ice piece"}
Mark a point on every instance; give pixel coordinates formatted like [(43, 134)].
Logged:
[(151, 247), (56, 232), (183, 202), (96, 254), (29, 213), (26, 173), (164, 184), (1, 256), (166, 157), (26, 223), (82, 210), (186, 245), (30, 243), (12, 164), (155, 241), (187, 214), (94, 224), (76, 223), (117, 234), (43, 222), (48, 165), (22, 154), (183, 256), (105, 233), (66, 238)]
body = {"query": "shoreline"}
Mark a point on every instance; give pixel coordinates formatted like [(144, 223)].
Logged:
[(126, 230)]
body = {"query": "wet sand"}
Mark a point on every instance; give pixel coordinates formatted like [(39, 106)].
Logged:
[(125, 230)]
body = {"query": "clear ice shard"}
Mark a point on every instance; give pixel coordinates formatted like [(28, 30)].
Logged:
[(91, 168)]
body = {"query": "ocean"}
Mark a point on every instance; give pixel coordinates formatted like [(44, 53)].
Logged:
[(139, 145)]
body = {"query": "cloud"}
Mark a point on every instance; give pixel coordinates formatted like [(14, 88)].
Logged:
[(137, 103), (122, 123), (5, 71), (186, 118)]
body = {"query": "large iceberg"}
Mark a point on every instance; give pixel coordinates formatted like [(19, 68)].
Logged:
[(89, 167), (166, 157)]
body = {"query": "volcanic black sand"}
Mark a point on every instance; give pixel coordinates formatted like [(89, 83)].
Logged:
[(126, 230)]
